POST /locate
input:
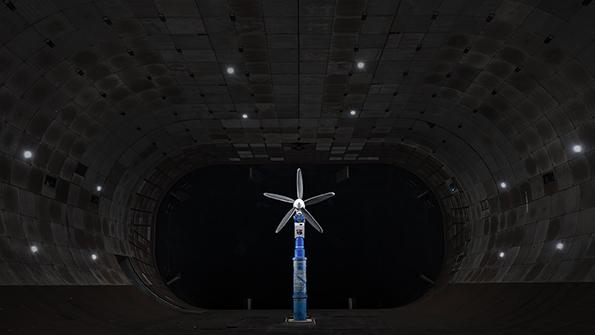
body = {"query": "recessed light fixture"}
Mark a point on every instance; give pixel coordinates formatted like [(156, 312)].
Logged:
[(244, 116), (360, 65), (34, 249), (503, 185), (94, 257), (501, 254), (27, 154), (352, 112), (99, 188), (560, 246), (577, 148), (230, 70)]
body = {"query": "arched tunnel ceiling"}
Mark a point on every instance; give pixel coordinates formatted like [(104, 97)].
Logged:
[(130, 95), (107, 82)]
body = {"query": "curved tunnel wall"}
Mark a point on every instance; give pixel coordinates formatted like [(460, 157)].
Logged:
[(108, 93)]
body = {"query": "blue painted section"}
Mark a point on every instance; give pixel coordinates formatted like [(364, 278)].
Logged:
[(299, 217), (300, 297)]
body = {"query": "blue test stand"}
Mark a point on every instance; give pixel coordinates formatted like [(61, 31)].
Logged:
[(300, 295), (300, 214)]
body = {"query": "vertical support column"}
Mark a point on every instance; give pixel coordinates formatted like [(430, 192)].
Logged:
[(299, 281), (300, 297)]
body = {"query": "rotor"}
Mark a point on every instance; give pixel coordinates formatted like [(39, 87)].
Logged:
[(300, 205)]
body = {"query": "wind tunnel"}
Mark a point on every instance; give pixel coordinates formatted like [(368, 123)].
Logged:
[(106, 105)]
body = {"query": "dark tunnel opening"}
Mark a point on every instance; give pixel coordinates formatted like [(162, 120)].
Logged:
[(382, 247)]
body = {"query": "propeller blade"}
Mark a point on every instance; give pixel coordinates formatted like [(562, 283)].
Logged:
[(299, 184), (284, 220), (279, 197), (312, 220), (319, 198)]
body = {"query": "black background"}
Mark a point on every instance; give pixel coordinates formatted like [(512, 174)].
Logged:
[(217, 231)]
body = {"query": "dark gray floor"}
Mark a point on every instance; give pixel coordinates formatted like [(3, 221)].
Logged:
[(458, 309)]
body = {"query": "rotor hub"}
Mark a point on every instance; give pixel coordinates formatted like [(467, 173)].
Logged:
[(299, 204)]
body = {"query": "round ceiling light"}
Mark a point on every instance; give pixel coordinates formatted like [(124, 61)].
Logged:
[(577, 148)]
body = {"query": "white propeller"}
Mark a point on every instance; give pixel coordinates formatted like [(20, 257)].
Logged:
[(299, 205)]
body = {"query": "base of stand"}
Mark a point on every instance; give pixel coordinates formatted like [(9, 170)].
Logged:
[(308, 322)]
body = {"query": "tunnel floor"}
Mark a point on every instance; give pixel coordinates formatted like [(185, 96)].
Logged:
[(454, 309)]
